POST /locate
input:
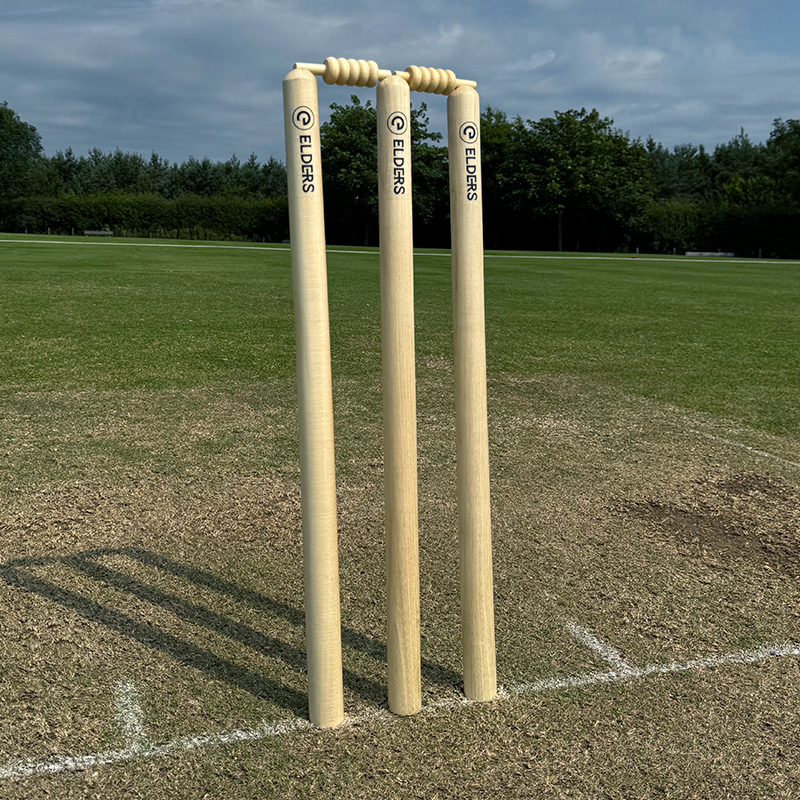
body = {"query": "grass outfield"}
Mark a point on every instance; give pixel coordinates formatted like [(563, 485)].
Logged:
[(645, 452)]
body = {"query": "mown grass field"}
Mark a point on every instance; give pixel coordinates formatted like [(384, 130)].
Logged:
[(645, 446)]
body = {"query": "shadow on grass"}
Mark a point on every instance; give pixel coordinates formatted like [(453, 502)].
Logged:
[(18, 573)]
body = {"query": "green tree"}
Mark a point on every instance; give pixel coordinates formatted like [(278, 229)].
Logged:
[(431, 182), (695, 174), (501, 208), (783, 158), (687, 171), (664, 168), (157, 174), (20, 155), (273, 181), (63, 173), (350, 170), (578, 170), (672, 224), (739, 157), (204, 177), (741, 172)]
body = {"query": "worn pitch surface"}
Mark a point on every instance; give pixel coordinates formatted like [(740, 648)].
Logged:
[(646, 507)]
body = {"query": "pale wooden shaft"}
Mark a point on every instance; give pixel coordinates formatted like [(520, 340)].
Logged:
[(320, 551), (472, 441), (399, 394)]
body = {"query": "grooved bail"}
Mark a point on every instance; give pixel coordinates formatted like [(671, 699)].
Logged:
[(357, 72), (433, 81), (350, 72), (347, 71)]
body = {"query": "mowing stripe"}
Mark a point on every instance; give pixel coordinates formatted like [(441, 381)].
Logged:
[(446, 254), (26, 769), (605, 651), (741, 446)]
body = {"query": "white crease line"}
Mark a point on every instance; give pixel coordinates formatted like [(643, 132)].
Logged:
[(448, 702), (614, 676), (130, 717), (763, 453), (604, 650), (179, 745), (26, 769), (709, 662)]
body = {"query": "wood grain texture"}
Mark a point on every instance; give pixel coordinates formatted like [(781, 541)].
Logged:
[(309, 276), (472, 441), (399, 394)]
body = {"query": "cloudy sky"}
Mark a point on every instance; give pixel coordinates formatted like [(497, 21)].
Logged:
[(203, 77)]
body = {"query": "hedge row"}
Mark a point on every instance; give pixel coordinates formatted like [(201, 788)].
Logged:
[(664, 226), (680, 225), (187, 216)]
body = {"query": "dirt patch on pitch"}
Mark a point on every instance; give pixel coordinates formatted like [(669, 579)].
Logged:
[(737, 516)]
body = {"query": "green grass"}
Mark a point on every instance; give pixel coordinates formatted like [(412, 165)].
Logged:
[(713, 337), (147, 406), (710, 337)]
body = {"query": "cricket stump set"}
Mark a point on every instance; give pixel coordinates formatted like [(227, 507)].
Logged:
[(309, 272)]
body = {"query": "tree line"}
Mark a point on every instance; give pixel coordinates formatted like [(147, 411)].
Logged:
[(133, 195), (572, 181)]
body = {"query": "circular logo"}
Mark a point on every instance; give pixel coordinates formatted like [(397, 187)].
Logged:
[(397, 123), (468, 132), (303, 118)]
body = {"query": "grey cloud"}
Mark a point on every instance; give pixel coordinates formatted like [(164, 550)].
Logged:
[(204, 77)]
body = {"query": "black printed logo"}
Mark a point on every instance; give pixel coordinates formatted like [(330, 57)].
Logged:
[(303, 118), (468, 132), (397, 123)]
